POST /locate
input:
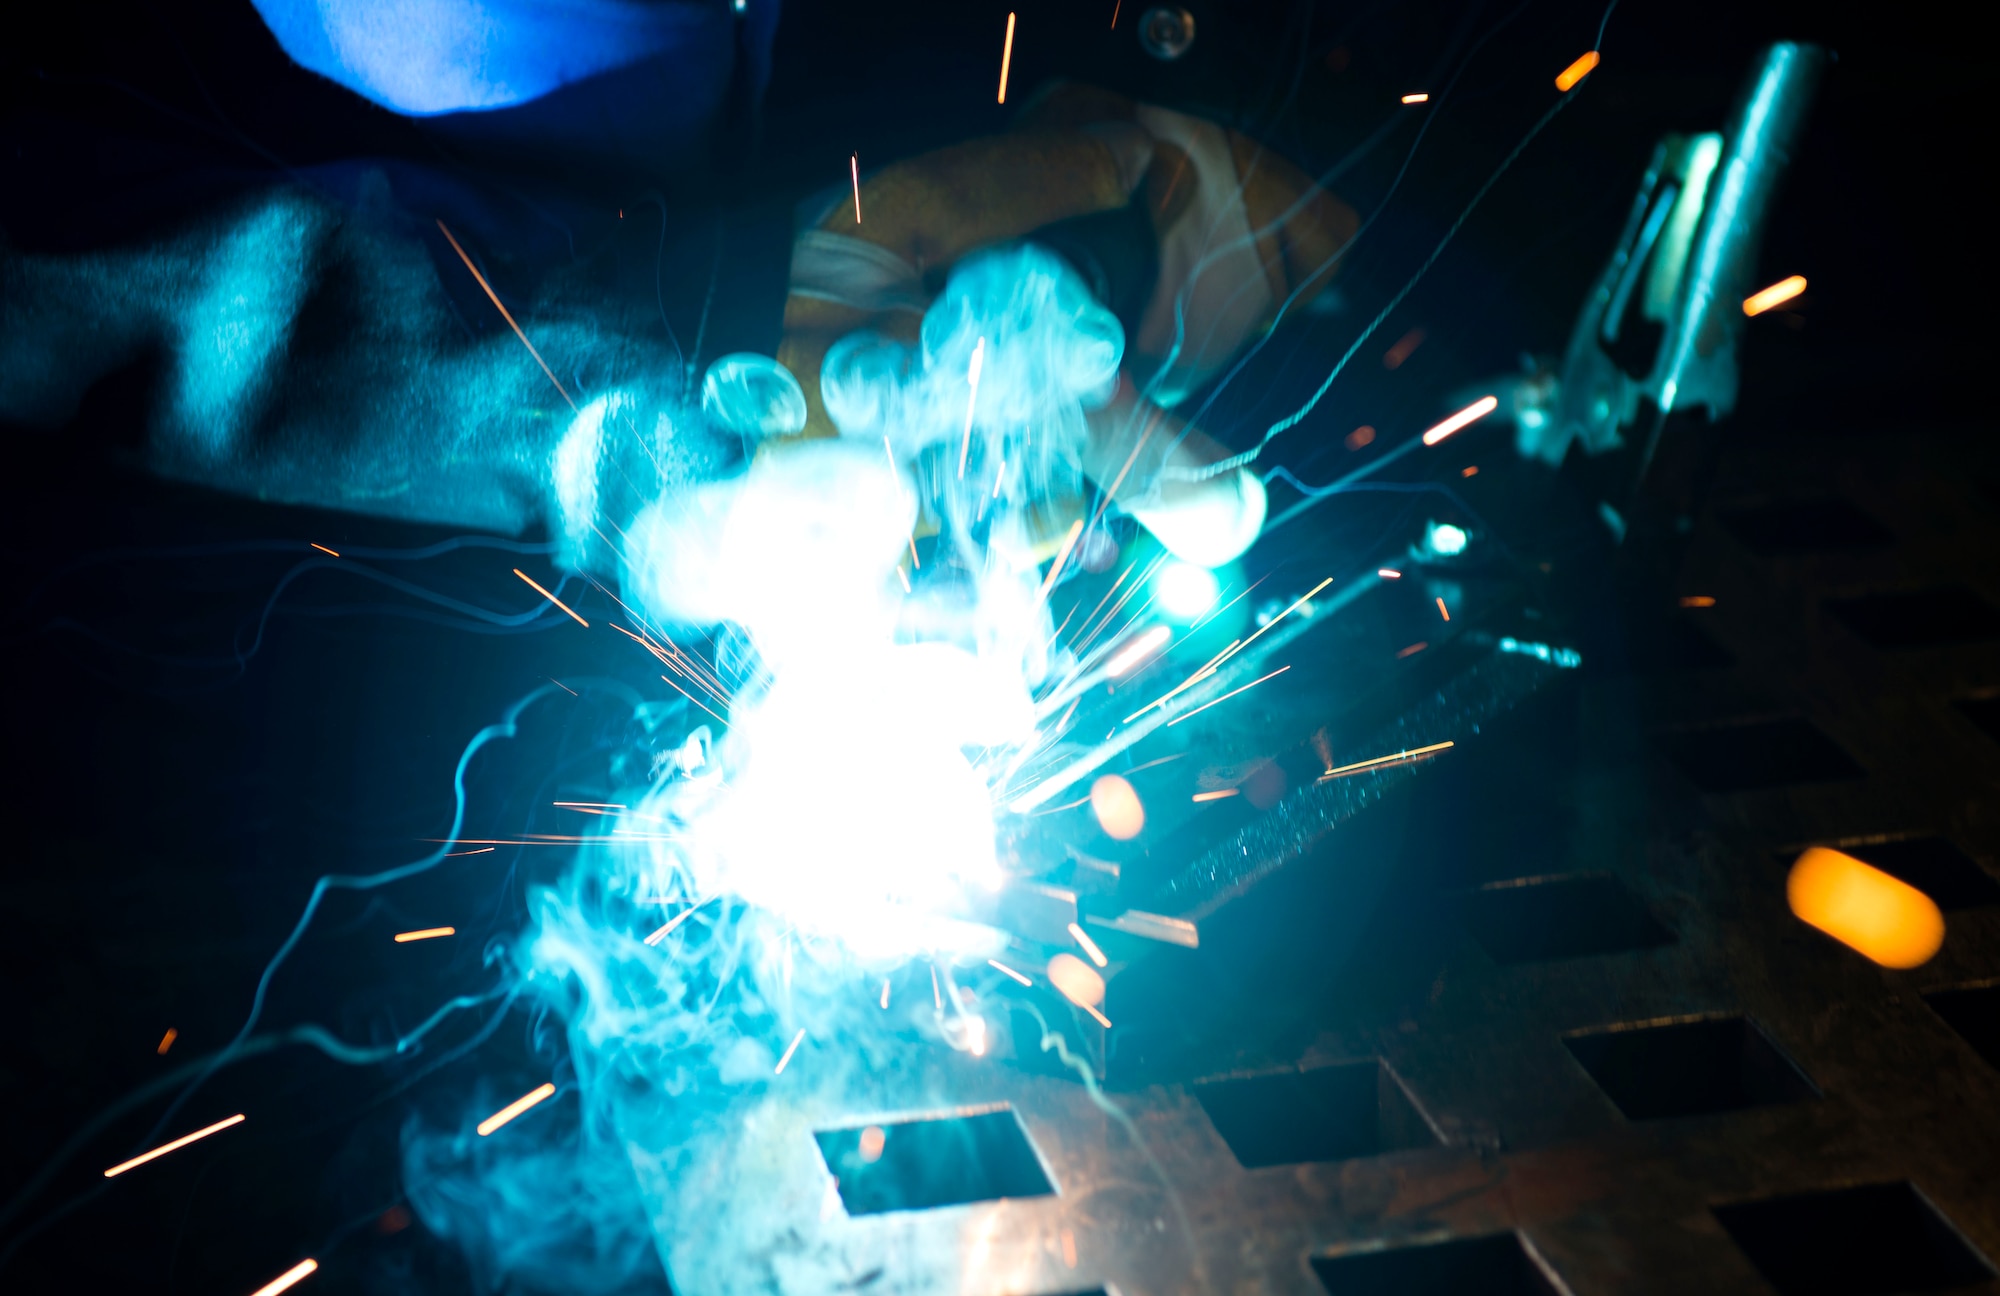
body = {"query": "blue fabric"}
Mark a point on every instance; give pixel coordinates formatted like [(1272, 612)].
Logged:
[(423, 58)]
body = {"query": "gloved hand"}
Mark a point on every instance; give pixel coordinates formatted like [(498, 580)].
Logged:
[(1235, 231)]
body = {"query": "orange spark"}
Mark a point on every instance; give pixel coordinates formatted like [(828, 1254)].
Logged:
[(298, 1273), (1359, 437), (1069, 1248), (427, 933), (539, 1093), (1698, 601), (790, 1049), (885, 994), (322, 548), (1776, 295), (1415, 99), (1413, 649), (564, 687), (483, 850), (1011, 972), (1102, 1020), (1472, 413), (1006, 58), (167, 1041), (1406, 346), (550, 597), (1226, 696), (1114, 27), (854, 169), (1577, 71), (1217, 795), (1413, 753), (174, 1146), (676, 921), (1388, 573), (1470, 471), (1062, 556), (1088, 945), (903, 578), (495, 299), (1882, 918), (1441, 608), (1140, 649)]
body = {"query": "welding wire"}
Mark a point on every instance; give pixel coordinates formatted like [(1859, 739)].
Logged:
[(322, 548), (551, 598), (1566, 79), (1010, 972), (972, 375), (1006, 57), (1089, 946), (1411, 754), (174, 1146), (494, 298), (298, 1273), (1472, 413), (1776, 295), (539, 1093), (1226, 696), (790, 1049), (428, 933), (676, 921)]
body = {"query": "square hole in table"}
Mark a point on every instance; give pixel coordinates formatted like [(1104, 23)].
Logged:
[(1804, 526), (1974, 1012), (1561, 917), (1328, 1113), (1876, 1238), (938, 1161), (1494, 1265), (1919, 618), (1751, 755), (1689, 1068), (1935, 867)]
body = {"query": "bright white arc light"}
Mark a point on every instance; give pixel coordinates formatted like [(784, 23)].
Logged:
[(1445, 539), (1185, 590)]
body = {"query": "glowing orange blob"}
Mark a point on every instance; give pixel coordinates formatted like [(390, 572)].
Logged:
[(1117, 807), (872, 1141), (1078, 981), (1566, 79), (1864, 908)]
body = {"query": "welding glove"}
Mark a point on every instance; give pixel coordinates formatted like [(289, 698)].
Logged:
[(1231, 230)]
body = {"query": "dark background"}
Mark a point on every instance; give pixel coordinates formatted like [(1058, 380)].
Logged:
[(169, 806)]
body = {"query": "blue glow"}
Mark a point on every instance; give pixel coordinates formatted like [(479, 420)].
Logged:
[(1444, 539), (1184, 591), (1566, 658), (424, 57)]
